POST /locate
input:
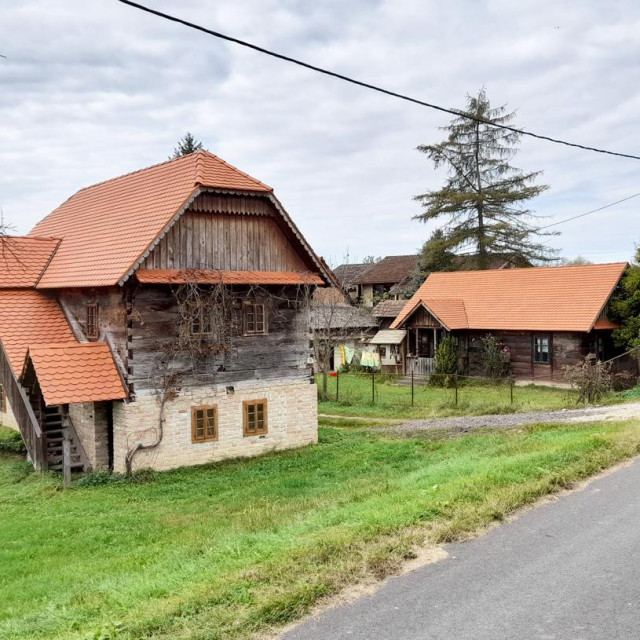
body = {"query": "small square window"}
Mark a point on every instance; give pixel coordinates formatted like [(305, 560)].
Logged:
[(93, 325), (541, 350), (255, 417), (204, 423), (201, 323), (254, 318)]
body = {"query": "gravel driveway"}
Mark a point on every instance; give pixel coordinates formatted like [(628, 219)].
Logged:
[(469, 423)]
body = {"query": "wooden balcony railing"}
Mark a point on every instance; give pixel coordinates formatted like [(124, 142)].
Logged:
[(24, 415)]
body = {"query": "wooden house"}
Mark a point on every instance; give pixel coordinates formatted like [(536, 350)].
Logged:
[(543, 317), (160, 319), (389, 278)]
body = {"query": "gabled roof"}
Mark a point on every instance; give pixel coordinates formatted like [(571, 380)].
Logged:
[(24, 259), (29, 317), (348, 274), (391, 269), (388, 308), (105, 228), (219, 276), (81, 372), (534, 299)]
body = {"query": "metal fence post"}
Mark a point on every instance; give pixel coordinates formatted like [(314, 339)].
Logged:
[(511, 383), (373, 387), (412, 391), (337, 385), (455, 382)]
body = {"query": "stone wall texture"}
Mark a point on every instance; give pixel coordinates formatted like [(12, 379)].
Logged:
[(7, 419), (90, 422), (292, 422)]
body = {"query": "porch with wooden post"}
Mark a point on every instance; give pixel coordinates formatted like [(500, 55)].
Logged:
[(424, 334)]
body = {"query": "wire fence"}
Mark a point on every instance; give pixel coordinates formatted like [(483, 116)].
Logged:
[(382, 390)]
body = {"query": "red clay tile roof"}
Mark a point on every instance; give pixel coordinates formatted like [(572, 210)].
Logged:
[(107, 227), (29, 317), (216, 276), (23, 260), (81, 372), (389, 270), (535, 299)]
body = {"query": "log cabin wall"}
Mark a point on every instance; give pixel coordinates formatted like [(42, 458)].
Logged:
[(282, 353), (112, 317), (228, 232), (566, 349), (422, 318)]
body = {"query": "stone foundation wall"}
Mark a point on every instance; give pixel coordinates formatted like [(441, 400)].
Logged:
[(90, 422), (7, 419), (292, 416)]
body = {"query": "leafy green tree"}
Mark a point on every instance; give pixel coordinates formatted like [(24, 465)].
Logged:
[(188, 144), (625, 307), (483, 195)]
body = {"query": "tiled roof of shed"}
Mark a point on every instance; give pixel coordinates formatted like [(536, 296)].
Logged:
[(388, 308), (534, 299), (105, 228), (81, 372), (24, 259), (29, 317), (217, 276)]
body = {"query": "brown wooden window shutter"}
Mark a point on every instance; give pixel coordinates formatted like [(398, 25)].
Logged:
[(204, 423), (255, 417), (93, 325), (254, 318)]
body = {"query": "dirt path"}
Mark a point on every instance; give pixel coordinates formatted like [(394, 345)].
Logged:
[(624, 411)]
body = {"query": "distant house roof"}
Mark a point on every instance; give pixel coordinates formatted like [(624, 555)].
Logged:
[(533, 299), (107, 229), (389, 270), (24, 259), (388, 308), (344, 317), (80, 372), (348, 274)]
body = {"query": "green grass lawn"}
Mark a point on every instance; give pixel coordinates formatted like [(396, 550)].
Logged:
[(229, 549), (394, 401)]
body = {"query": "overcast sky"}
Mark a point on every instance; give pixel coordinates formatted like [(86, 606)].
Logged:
[(94, 89)]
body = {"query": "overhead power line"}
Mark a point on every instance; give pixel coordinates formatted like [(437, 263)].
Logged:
[(588, 213), (366, 85)]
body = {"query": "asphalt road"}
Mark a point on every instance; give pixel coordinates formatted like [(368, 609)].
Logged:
[(567, 570)]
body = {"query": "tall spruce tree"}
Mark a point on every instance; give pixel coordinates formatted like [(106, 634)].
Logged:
[(483, 195), (188, 144)]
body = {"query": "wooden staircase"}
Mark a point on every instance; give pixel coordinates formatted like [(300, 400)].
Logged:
[(53, 425)]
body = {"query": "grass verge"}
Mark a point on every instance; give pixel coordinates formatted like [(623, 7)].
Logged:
[(231, 549), (356, 392)]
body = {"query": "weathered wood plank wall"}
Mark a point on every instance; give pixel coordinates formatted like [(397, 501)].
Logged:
[(282, 353), (227, 232)]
